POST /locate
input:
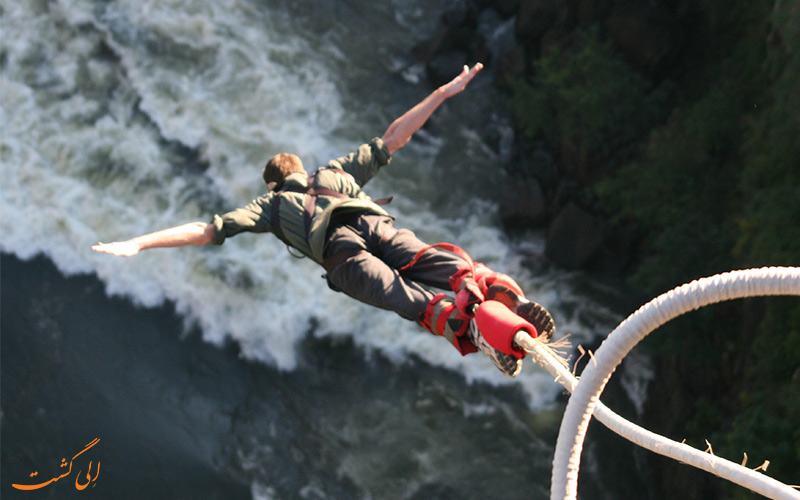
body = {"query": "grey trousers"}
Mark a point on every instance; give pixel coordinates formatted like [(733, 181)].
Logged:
[(375, 253)]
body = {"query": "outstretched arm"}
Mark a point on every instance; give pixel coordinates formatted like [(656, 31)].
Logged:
[(194, 233), (401, 130)]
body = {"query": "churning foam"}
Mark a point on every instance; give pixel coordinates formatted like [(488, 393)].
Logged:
[(126, 117)]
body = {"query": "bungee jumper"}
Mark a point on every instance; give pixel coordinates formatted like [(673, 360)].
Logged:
[(327, 217)]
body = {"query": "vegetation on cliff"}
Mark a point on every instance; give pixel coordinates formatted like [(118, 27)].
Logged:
[(700, 157)]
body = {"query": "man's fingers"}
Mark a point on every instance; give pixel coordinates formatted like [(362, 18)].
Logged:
[(102, 248), (458, 83), (116, 248), (470, 73)]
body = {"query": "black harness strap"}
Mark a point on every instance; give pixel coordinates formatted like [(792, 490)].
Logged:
[(311, 192), (309, 205), (275, 217)]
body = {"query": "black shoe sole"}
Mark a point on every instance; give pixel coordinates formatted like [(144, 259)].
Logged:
[(539, 317)]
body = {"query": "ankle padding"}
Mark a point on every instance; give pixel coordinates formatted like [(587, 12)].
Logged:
[(442, 317), (484, 284), (467, 302), (498, 325), (468, 293)]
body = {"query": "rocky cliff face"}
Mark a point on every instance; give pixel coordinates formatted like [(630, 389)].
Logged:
[(665, 39), (674, 52)]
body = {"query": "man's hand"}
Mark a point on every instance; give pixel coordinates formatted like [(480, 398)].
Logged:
[(118, 248), (460, 82), (401, 130), (194, 233)]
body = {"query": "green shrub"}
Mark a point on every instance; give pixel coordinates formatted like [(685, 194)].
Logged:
[(587, 104), (713, 187)]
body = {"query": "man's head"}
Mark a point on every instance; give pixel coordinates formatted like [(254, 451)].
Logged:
[(279, 167)]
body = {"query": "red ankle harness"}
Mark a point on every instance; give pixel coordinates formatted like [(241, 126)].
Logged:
[(478, 290)]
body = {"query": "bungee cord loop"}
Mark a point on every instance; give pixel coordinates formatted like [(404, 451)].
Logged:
[(585, 402)]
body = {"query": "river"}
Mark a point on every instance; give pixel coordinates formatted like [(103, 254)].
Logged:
[(217, 372)]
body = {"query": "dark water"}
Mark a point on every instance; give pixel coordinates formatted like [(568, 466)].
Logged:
[(178, 418), (78, 366), (125, 117)]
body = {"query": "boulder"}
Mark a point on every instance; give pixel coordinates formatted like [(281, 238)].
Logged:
[(523, 204), (543, 167), (646, 32), (511, 66), (425, 50), (589, 12), (575, 237), (445, 66), (535, 18), (506, 8)]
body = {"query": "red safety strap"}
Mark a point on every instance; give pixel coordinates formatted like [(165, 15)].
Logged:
[(444, 246)]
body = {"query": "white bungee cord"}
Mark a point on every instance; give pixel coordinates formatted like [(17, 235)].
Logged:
[(584, 401)]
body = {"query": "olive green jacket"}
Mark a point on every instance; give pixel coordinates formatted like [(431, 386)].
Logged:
[(303, 229)]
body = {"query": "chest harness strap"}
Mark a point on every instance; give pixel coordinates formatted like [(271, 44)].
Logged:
[(311, 192)]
